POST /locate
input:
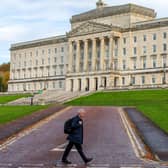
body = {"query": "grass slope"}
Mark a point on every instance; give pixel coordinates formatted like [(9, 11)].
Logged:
[(10, 113), (153, 103), (7, 98)]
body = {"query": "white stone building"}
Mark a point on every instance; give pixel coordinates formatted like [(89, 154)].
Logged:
[(109, 47)]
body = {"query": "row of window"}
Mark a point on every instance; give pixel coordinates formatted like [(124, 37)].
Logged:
[(41, 73), (143, 80), (41, 86), (49, 51), (37, 62), (144, 49), (144, 38)]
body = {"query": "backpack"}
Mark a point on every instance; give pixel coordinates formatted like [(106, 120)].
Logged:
[(67, 126)]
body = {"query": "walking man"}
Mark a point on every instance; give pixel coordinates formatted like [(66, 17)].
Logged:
[(76, 137)]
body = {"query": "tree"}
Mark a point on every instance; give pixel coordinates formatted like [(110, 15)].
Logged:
[(4, 76)]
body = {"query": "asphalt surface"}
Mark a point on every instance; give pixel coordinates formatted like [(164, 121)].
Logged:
[(9, 129), (152, 135), (105, 139)]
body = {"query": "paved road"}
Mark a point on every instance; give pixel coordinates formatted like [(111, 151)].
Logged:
[(105, 140)]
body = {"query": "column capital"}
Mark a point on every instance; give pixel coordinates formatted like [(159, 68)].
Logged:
[(86, 40), (102, 38), (111, 36)]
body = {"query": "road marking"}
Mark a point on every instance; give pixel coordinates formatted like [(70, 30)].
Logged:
[(60, 164), (29, 130), (98, 166), (61, 148), (5, 164), (136, 145), (131, 167)]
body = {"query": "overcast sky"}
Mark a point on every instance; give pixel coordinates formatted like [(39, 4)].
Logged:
[(24, 20)]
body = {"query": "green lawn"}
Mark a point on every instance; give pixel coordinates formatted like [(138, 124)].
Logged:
[(7, 98), (153, 103), (10, 113)]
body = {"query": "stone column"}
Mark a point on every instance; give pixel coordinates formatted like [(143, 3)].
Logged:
[(86, 55), (77, 56), (111, 51), (102, 54), (94, 54), (70, 56)]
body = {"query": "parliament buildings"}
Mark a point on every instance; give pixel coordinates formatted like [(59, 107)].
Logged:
[(109, 47)]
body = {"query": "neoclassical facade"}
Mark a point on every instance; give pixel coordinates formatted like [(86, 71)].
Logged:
[(109, 47)]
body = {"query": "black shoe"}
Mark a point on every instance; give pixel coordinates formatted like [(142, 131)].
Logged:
[(66, 162), (88, 160)]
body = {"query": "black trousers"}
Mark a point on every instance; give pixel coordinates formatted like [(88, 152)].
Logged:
[(79, 149)]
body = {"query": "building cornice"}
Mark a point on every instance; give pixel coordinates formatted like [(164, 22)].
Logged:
[(39, 42)]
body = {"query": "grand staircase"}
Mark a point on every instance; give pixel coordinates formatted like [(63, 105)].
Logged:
[(49, 97)]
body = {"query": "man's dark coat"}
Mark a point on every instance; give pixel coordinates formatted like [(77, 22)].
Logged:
[(77, 135)]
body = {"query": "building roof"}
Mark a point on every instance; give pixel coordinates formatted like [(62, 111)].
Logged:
[(113, 10), (39, 42)]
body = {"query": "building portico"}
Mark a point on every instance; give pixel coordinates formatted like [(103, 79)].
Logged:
[(90, 56)]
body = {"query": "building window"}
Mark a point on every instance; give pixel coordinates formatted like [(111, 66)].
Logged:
[(164, 35), (42, 61), (36, 53), (164, 61), (154, 36), (55, 59), (144, 50), (143, 79), (43, 52), (124, 51), (144, 38), (164, 47), (31, 54), (55, 50), (124, 40), (154, 48), (61, 71), (25, 63), (123, 80), (154, 62), (144, 63), (49, 51), (135, 50), (60, 84), (124, 64), (62, 59), (36, 62), (134, 64), (135, 39), (153, 79), (133, 80), (62, 49)]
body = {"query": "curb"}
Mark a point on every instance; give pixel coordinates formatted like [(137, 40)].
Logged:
[(137, 145), (141, 150)]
